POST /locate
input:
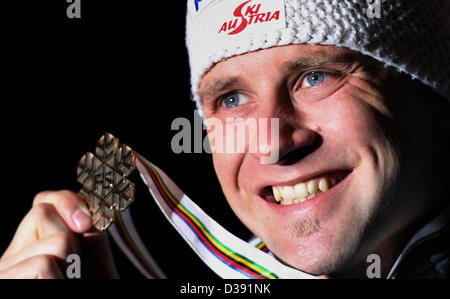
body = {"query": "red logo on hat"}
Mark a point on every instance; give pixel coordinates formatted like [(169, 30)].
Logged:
[(247, 14)]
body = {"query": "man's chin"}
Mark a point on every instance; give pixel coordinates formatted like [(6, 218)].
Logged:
[(316, 253), (318, 265)]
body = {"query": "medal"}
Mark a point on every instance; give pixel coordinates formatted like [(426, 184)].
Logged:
[(109, 193), (103, 179)]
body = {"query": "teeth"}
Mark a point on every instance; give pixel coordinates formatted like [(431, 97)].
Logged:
[(286, 201), (313, 187), (323, 184), (276, 194), (332, 182), (312, 195), (288, 193), (302, 191)]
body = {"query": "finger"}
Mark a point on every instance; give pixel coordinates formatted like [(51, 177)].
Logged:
[(41, 221), (59, 245), (70, 206), (40, 266)]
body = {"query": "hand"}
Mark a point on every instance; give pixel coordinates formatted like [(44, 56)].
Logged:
[(58, 224)]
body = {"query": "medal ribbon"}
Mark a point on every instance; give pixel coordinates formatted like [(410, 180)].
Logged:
[(227, 255)]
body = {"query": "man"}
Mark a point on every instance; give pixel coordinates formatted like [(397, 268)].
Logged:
[(362, 163)]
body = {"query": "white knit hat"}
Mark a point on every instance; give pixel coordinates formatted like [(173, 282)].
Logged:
[(411, 35)]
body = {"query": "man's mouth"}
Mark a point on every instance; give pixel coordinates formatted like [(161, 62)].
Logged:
[(304, 190)]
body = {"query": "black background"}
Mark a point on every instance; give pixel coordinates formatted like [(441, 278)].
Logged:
[(121, 68)]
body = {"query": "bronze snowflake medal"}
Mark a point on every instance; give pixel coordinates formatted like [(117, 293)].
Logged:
[(103, 179)]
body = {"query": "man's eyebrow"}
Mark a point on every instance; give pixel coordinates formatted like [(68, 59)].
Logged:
[(318, 60), (218, 86)]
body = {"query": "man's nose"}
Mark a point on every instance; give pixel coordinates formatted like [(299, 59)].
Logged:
[(288, 136)]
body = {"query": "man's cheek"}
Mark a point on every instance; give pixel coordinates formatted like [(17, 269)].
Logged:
[(227, 168), (347, 114), (242, 204), (222, 166)]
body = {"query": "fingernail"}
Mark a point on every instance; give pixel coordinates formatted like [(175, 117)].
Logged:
[(84, 209), (81, 217)]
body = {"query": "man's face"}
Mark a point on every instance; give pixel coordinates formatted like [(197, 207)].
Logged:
[(337, 162)]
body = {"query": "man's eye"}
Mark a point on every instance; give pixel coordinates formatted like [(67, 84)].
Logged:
[(313, 79), (233, 100)]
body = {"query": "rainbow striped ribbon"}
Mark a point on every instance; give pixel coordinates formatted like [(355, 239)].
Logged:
[(124, 233), (224, 253)]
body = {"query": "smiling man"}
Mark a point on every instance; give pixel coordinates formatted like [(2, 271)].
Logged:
[(361, 165), (362, 109)]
